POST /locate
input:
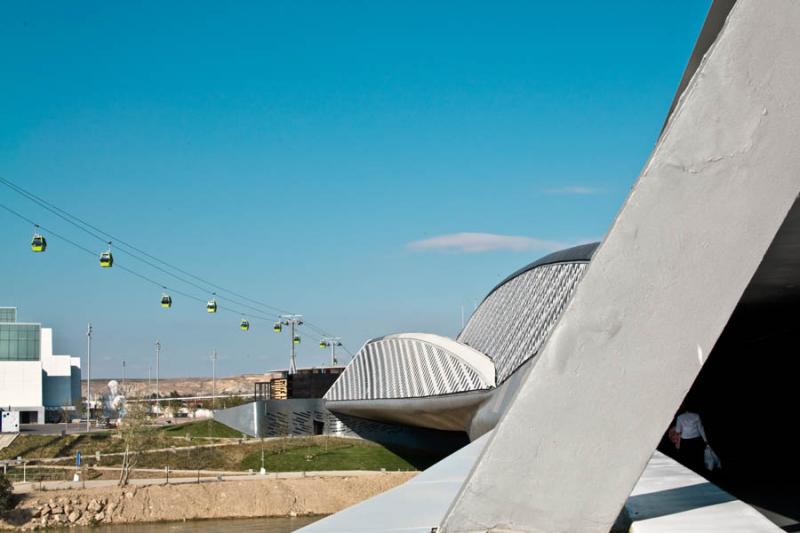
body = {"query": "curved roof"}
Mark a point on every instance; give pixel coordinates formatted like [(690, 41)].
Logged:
[(412, 365), (577, 254), (479, 362)]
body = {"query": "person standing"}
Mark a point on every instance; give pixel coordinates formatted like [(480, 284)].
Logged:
[(693, 440)]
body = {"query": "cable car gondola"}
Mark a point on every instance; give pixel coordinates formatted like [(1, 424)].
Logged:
[(166, 301), (244, 325), (107, 258), (277, 327), (211, 306), (323, 344), (39, 243), (296, 340)]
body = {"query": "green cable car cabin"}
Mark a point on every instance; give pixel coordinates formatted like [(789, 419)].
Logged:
[(39, 243), (211, 306), (166, 301), (106, 259), (244, 325)]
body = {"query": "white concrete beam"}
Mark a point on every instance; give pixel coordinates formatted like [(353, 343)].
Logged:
[(657, 293)]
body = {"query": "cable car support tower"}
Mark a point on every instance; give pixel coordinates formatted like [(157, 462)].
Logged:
[(332, 343), (292, 321)]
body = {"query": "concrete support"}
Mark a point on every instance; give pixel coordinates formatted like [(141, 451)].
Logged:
[(657, 294)]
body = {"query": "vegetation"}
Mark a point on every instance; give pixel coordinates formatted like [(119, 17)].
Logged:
[(233, 401), (210, 429), (48, 446), (6, 494), (174, 404), (291, 454), (135, 437), (325, 453), (181, 447)]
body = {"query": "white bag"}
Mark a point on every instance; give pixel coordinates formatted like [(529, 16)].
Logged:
[(711, 459)]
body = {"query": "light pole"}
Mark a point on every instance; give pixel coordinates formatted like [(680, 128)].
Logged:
[(123, 376), (213, 379), (158, 367), (88, 374)]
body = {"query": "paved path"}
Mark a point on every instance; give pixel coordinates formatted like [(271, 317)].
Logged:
[(6, 439), (667, 498), (27, 487)]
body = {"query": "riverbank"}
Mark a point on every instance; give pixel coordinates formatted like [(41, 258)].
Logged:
[(246, 498)]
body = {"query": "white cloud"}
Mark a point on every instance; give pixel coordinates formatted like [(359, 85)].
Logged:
[(483, 242), (580, 190)]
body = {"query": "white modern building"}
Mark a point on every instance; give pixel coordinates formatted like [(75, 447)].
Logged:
[(32, 379)]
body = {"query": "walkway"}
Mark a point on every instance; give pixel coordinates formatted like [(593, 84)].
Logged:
[(27, 487), (6, 439), (668, 497)]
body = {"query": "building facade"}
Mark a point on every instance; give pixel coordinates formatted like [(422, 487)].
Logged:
[(32, 379), (463, 384)]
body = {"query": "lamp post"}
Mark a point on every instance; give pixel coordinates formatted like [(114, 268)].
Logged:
[(88, 374), (213, 380), (158, 367)]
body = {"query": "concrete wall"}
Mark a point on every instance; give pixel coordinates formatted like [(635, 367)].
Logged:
[(657, 294), (21, 384), (58, 382)]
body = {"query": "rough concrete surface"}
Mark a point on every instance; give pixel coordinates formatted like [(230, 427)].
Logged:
[(657, 294)]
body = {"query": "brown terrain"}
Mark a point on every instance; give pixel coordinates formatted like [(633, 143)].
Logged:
[(223, 499), (137, 388)]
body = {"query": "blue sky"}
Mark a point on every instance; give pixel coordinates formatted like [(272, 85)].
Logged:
[(336, 159)]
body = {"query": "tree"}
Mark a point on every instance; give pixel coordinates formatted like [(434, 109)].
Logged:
[(174, 405), (6, 494), (234, 401), (135, 437)]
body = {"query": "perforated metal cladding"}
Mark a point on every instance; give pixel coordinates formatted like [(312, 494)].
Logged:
[(403, 368), (511, 324)]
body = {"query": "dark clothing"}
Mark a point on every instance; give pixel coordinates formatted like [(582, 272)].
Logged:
[(692, 454)]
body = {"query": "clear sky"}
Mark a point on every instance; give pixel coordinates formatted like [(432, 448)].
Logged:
[(335, 159)]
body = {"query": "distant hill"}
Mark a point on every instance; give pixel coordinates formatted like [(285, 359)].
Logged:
[(136, 388)]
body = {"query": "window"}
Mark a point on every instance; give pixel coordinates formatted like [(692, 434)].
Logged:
[(20, 342)]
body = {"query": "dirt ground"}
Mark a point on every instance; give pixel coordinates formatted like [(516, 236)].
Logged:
[(225, 499)]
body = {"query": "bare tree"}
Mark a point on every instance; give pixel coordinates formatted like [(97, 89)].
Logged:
[(135, 437)]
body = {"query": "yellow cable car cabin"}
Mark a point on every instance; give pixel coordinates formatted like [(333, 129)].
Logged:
[(296, 340), (323, 344), (277, 327), (211, 306), (244, 325), (39, 243), (166, 301), (106, 259)]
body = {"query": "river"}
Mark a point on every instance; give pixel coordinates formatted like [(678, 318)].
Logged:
[(232, 525)]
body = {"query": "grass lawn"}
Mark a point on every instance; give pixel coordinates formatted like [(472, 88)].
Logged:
[(41, 446), (325, 453), (48, 446), (291, 454), (201, 429)]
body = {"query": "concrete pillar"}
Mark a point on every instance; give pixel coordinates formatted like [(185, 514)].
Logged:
[(657, 294)]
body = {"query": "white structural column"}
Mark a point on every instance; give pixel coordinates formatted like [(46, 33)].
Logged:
[(657, 293)]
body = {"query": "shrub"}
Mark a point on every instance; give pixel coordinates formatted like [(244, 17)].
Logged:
[(6, 494)]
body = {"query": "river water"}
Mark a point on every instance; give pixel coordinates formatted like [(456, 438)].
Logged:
[(232, 525)]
